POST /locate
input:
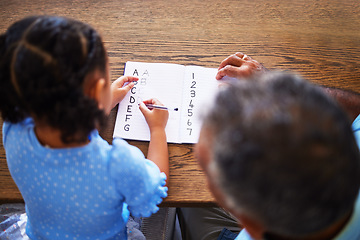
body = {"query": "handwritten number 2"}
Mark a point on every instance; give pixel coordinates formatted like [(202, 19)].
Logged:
[(193, 83)]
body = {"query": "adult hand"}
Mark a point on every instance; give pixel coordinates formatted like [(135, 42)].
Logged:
[(118, 90), (239, 65)]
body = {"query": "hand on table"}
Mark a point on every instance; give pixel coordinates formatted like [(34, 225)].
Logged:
[(239, 65)]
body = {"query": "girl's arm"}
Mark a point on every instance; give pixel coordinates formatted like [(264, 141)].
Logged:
[(157, 120)]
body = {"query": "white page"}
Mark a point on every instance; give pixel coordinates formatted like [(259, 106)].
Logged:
[(200, 87), (156, 80)]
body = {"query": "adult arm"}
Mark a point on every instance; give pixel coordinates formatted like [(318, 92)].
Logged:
[(239, 65)]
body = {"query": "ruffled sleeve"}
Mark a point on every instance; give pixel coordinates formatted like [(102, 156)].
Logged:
[(136, 179)]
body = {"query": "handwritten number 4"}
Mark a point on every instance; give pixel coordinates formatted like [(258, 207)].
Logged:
[(191, 104)]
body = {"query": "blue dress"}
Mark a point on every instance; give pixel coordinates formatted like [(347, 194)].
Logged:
[(83, 192)]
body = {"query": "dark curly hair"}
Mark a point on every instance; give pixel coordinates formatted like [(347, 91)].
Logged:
[(44, 61), (285, 154)]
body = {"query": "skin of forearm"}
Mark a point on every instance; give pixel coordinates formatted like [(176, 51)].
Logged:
[(158, 151), (348, 100)]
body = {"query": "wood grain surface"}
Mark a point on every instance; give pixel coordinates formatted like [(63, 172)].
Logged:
[(317, 39)]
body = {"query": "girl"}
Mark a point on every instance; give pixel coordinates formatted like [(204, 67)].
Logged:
[(54, 94)]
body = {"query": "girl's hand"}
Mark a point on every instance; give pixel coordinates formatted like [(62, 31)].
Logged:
[(118, 90), (239, 65), (155, 118)]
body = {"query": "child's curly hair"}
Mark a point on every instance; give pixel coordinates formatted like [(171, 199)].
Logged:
[(44, 61)]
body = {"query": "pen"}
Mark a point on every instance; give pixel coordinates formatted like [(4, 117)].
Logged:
[(161, 107)]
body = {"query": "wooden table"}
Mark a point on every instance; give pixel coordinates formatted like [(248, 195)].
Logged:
[(318, 39)]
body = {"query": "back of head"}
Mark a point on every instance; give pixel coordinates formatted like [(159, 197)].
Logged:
[(285, 154), (44, 63)]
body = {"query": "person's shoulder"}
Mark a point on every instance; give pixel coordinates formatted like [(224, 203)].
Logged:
[(243, 235), (356, 129), (356, 124)]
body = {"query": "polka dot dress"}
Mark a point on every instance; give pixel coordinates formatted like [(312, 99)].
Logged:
[(83, 192)]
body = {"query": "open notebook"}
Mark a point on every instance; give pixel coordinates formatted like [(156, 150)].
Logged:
[(188, 88)]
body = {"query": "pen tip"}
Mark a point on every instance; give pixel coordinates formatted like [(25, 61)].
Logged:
[(176, 109)]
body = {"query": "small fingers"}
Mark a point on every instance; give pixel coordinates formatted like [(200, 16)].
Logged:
[(148, 101), (129, 86), (122, 80), (143, 108), (153, 101), (130, 79)]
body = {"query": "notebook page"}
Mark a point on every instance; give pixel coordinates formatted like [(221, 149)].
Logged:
[(156, 80), (200, 86)]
